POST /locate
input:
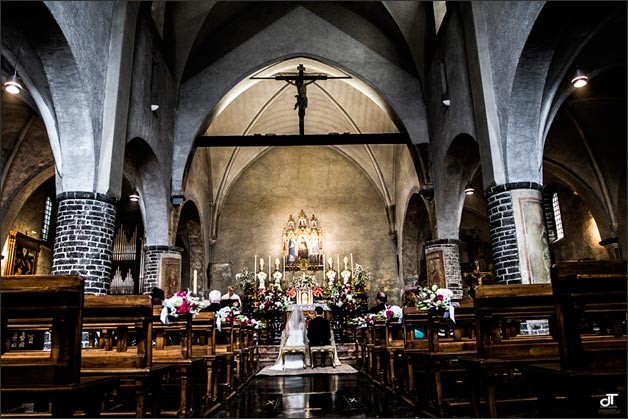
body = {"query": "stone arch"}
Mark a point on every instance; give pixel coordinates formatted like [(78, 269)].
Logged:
[(205, 94), (66, 113), (143, 169), (415, 233), (189, 237), (541, 71), (459, 165)]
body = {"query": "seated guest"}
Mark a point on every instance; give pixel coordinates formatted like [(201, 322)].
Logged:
[(232, 296), (319, 331), (214, 301), (157, 296), (381, 303)]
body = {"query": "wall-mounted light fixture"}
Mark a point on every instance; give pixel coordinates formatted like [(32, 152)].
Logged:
[(13, 85), (580, 79), (469, 189), (134, 196), (154, 108)]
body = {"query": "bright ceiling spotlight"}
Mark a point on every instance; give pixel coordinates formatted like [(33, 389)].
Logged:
[(579, 79), (13, 85), (135, 196), (469, 189)]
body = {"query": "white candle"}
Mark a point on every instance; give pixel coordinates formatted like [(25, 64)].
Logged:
[(195, 282), (269, 274), (255, 267), (338, 263)]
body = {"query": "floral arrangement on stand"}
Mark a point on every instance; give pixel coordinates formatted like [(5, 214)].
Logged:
[(272, 300), (245, 281), (361, 277), (183, 303), (342, 298), (304, 281), (319, 292), (436, 299)]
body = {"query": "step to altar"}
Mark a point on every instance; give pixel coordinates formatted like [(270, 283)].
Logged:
[(346, 353)]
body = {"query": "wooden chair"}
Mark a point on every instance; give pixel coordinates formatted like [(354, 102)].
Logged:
[(591, 306), (502, 350), (54, 304), (120, 328)]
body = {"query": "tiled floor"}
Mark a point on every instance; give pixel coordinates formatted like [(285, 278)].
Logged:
[(314, 396)]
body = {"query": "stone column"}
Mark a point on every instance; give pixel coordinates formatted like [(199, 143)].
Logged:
[(84, 238), (152, 264), (442, 257), (518, 235)]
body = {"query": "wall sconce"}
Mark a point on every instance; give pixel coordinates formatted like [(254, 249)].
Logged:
[(13, 85), (446, 101), (134, 196), (579, 79), (469, 189), (154, 108)]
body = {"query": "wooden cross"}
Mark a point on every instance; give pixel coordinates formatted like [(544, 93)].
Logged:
[(301, 80)]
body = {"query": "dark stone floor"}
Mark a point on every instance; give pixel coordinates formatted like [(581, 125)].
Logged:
[(314, 396)]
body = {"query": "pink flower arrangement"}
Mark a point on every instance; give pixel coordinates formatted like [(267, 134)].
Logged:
[(183, 303)]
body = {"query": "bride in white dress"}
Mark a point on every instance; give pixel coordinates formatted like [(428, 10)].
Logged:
[(293, 337)]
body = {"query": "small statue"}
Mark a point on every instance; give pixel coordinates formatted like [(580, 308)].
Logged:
[(346, 273), (331, 274), (277, 275), (261, 275)]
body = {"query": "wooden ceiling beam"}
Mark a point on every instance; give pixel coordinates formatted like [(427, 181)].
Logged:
[(299, 140)]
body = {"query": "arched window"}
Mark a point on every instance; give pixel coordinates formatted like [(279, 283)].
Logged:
[(558, 221), (45, 229)]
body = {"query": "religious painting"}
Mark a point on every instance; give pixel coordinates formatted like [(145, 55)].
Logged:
[(23, 252), (170, 274), (302, 241), (534, 254), (436, 268)]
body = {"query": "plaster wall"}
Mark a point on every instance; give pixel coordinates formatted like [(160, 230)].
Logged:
[(582, 237), (318, 180)]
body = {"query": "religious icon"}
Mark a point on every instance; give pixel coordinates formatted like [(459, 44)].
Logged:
[(302, 220), (170, 274), (302, 245), (23, 252), (292, 250), (436, 269)]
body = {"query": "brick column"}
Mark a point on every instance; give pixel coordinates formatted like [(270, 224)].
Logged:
[(84, 238), (152, 264), (450, 265), (518, 236)]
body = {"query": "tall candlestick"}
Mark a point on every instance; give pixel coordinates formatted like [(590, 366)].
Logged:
[(324, 270), (269, 265), (195, 282), (351, 265), (338, 263), (284, 267), (255, 267)]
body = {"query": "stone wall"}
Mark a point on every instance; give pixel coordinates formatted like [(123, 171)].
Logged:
[(317, 180)]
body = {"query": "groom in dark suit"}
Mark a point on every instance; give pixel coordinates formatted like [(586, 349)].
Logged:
[(319, 331)]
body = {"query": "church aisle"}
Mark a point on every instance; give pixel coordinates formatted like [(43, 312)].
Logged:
[(314, 396)]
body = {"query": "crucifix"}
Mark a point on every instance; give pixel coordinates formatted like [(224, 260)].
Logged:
[(301, 80)]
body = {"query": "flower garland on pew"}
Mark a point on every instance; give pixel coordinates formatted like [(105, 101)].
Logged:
[(435, 298), (389, 313), (183, 303)]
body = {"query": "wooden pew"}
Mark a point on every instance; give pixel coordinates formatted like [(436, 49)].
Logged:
[(502, 350), (393, 351), (415, 335), (173, 343), (448, 341), (42, 303), (225, 351), (123, 347), (591, 306), (376, 342), (204, 347)]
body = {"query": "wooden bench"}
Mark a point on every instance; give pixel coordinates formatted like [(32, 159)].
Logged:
[(393, 352), (120, 333), (54, 304), (442, 373), (173, 343), (502, 349), (591, 306), (416, 341), (204, 347)]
